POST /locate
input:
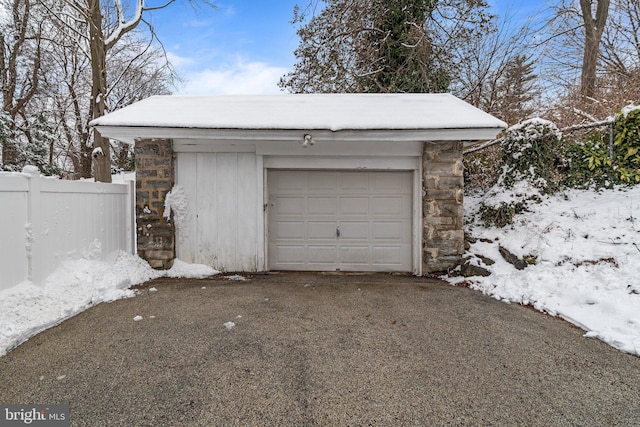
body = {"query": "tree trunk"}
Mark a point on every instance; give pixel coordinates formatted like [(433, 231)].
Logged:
[(593, 28), (101, 150), (123, 157)]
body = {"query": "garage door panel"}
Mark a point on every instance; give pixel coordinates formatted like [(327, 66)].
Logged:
[(354, 230), (389, 230), (357, 182), (287, 181), (322, 205), (390, 182), (289, 205), (321, 254), (355, 255), (290, 254), (389, 205), (290, 230), (353, 206), (371, 209), (317, 230), (389, 255), (322, 181)]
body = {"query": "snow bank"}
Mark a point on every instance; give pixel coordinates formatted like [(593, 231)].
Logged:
[(194, 271), (587, 250), (27, 309)]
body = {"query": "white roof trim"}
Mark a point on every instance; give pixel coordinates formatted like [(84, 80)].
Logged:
[(130, 134)]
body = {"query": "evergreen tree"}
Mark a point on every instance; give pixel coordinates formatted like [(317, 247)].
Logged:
[(383, 45), (401, 51), (516, 90)]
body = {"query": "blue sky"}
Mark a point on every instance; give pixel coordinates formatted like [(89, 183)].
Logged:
[(242, 46), (245, 46)]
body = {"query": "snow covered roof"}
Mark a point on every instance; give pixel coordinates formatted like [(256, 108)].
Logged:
[(333, 112)]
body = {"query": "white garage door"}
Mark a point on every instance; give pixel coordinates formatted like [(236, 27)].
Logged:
[(340, 220)]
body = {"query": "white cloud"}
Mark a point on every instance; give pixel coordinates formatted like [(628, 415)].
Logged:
[(179, 61), (241, 77)]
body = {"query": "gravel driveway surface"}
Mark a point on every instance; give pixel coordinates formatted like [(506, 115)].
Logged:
[(321, 350)]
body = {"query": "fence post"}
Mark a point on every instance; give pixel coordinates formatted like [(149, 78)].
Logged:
[(34, 225), (611, 141)]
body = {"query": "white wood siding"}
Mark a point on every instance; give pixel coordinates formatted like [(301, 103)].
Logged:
[(223, 226)]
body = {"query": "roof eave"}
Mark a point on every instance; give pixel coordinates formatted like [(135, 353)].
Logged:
[(129, 134)]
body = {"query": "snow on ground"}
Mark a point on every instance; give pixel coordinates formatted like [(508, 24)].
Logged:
[(586, 246), (28, 308)]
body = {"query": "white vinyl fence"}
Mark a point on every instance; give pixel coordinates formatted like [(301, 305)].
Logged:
[(45, 221)]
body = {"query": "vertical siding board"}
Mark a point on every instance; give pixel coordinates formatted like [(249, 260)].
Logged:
[(207, 217), (227, 207), (226, 215), (260, 215), (187, 235), (247, 229)]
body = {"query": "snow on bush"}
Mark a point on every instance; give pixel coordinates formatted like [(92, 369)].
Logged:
[(531, 151), (531, 167)]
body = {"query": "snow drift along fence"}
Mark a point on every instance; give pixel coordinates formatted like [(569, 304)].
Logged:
[(45, 221)]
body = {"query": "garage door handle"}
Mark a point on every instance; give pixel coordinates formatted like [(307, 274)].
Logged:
[(337, 232)]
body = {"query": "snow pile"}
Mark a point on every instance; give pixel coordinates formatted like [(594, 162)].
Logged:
[(27, 309), (586, 249), (193, 271)]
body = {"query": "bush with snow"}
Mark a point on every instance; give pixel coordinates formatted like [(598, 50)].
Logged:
[(532, 151), (532, 160), (607, 157)]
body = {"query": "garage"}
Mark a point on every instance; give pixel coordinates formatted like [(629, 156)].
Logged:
[(340, 220), (304, 182)]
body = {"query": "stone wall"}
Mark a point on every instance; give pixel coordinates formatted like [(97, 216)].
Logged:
[(154, 179), (442, 209)]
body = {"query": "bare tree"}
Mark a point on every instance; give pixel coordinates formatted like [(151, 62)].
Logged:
[(615, 25), (97, 26), (492, 74), (136, 68), (594, 26), (20, 59), (621, 54)]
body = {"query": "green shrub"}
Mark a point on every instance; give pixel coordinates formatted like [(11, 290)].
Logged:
[(593, 163), (533, 152), (589, 164), (626, 145)]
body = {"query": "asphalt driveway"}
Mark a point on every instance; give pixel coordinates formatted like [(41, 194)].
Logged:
[(325, 350)]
